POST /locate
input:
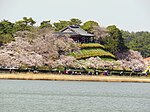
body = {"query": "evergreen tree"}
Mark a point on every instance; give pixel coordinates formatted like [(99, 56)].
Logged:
[(114, 41), (45, 24), (89, 26), (24, 24)]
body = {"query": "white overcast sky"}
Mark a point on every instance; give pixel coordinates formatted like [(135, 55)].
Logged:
[(131, 15)]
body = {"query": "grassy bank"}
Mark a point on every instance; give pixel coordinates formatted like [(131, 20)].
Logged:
[(31, 76), (87, 53), (88, 50)]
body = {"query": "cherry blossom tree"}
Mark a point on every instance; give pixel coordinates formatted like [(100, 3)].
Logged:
[(132, 59)]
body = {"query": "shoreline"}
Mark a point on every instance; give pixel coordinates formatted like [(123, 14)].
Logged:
[(62, 77)]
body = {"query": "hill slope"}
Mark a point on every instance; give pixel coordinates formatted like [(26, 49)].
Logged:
[(92, 50)]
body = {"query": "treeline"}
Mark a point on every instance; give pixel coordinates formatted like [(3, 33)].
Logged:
[(7, 28), (111, 37), (138, 41)]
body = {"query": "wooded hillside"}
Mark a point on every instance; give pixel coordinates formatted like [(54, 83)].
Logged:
[(24, 45)]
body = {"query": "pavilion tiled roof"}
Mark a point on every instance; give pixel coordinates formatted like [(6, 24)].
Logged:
[(75, 30)]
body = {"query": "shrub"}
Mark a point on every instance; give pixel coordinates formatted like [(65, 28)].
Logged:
[(6, 38)]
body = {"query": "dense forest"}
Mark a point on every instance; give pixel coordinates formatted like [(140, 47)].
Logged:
[(139, 41), (25, 44)]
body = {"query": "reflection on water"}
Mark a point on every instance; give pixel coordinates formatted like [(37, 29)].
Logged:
[(67, 96)]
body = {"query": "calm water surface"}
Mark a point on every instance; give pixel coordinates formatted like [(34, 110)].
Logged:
[(67, 96)]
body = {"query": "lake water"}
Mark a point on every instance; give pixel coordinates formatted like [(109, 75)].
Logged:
[(69, 96)]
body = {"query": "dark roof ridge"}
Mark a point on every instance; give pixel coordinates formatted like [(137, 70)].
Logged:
[(78, 30)]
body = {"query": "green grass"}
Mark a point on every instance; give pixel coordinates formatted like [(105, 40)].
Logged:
[(87, 53), (108, 58), (91, 45), (92, 50)]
